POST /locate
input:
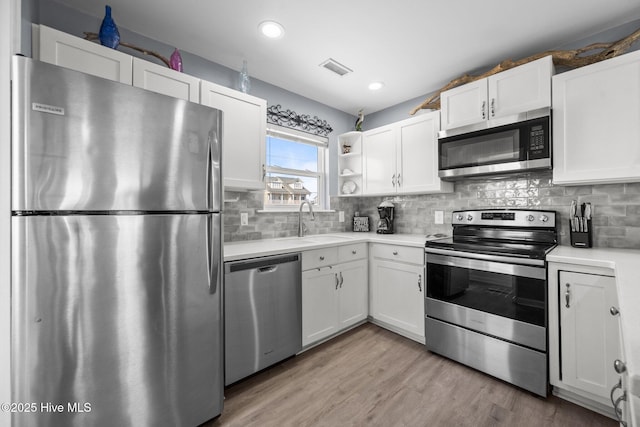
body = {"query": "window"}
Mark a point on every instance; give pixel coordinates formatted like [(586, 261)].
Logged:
[(295, 169)]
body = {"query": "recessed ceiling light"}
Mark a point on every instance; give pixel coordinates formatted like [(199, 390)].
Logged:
[(376, 85), (271, 29)]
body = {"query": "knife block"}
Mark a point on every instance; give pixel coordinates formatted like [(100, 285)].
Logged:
[(582, 239)]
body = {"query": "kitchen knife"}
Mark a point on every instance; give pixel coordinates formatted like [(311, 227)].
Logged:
[(572, 215)]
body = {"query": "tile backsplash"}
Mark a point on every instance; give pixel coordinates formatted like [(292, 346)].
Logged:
[(616, 209)]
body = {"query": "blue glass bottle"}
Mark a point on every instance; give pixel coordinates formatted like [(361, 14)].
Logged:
[(109, 34)]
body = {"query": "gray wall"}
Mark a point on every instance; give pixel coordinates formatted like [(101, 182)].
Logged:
[(55, 15), (401, 111), (616, 217), (616, 207)]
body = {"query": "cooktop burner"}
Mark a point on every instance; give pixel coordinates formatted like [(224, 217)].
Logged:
[(507, 232)]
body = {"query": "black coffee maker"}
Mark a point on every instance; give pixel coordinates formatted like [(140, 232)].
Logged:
[(385, 223)]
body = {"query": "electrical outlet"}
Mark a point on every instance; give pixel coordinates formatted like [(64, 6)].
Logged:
[(439, 217), (244, 218), (340, 216)]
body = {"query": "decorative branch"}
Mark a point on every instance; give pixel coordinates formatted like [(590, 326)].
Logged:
[(94, 36), (278, 116), (572, 58)]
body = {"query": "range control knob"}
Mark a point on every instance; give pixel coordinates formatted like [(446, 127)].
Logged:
[(459, 217), (469, 217), (544, 218), (530, 218)]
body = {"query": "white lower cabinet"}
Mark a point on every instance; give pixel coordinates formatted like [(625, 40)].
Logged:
[(397, 289), (584, 335), (334, 297)]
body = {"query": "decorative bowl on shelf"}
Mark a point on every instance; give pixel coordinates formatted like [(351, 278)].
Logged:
[(346, 149), (349, 187), (347, 171)]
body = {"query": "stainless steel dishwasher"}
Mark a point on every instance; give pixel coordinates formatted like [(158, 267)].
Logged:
[(263, 313)]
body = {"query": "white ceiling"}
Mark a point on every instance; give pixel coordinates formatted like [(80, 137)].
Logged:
[(414, 46)]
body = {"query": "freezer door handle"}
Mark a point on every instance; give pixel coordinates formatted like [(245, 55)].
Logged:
[(213, 256)]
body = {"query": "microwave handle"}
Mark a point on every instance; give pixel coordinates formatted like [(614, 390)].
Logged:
[(484, 104), (493, 107)]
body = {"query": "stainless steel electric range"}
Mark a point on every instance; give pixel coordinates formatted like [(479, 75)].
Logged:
[(486, 300)]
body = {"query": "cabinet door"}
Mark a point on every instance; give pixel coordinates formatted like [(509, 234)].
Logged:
[(418, 155), (521, 89), (398, 295), (160, 79), (595, 122), (589, 339), (353, 293), (245, 130), (82, 55), (464, 105), (379, 148), (319, 304)]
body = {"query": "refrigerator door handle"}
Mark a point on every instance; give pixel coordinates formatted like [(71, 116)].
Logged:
[(209, 188), (213, 257)]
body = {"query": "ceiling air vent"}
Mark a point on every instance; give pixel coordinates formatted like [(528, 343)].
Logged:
[(333, 65)]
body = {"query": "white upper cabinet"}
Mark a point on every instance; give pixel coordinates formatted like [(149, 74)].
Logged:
[(402, 158), (493, 101), (464, 105), (244, 134), (160, 79), (596, 122), (379, 161), (73, 52)]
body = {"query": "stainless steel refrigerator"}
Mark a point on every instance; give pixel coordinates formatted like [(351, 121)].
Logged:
[(116, 253)]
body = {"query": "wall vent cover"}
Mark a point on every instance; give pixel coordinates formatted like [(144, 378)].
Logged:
[(336, 67)]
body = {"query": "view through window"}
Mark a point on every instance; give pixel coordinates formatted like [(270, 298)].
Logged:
[(295, 169)]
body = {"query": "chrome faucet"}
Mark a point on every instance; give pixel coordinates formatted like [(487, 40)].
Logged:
[(301, 226)]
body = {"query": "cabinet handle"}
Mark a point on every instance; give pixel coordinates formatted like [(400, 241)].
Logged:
[(321, 258), (337, 281), (420, 282), (484, 115), (567, 295), (398, 181), (264, 172), (354, 252), (395, 252), (393, 179), (617, 402), (619, 366), (493, 107), (614, 311), (341, 279)]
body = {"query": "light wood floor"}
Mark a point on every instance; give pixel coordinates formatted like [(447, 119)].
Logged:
[(373, 377)]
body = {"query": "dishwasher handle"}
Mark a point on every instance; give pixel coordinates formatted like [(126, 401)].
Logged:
[(263, 265)]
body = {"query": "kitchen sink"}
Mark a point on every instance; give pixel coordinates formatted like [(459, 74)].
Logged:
[(324, 239)]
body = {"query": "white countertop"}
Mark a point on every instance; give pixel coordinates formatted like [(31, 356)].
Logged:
[(234, 251), (626, 265)]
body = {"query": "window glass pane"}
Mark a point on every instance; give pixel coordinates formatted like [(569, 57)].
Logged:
[(291, 155), (290, 190)]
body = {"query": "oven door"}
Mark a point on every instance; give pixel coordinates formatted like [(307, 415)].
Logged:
[(504, 300)]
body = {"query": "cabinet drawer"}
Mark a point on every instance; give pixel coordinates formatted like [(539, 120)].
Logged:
[(352, 252), (317, 258), (398, 253)]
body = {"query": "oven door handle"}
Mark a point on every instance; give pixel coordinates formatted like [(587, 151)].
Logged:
[(484, 265), (487, 257)]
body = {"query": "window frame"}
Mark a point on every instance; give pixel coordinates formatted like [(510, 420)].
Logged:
[(321, 143)]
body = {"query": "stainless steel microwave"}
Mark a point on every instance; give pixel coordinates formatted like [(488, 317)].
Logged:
[(521, 146)]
